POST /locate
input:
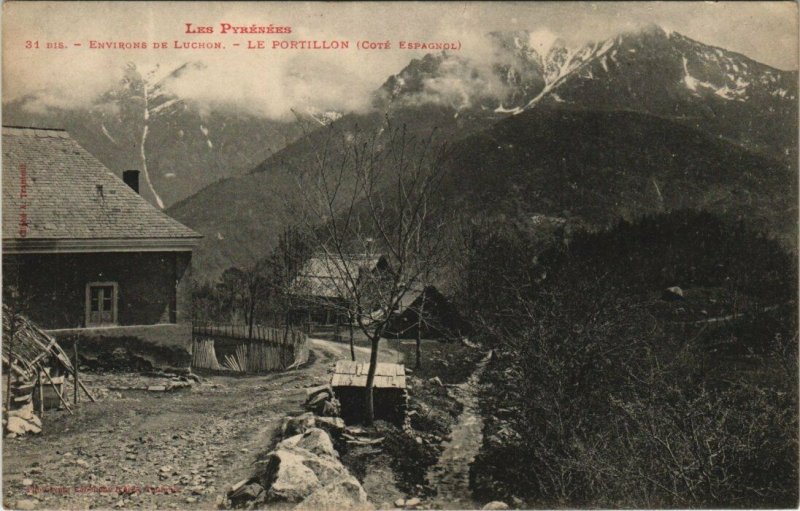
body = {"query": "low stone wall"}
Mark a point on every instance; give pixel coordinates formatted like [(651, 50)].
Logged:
[(143, 347), (303, 471)]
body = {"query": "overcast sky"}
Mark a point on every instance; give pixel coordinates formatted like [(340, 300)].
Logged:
[(271, 81)]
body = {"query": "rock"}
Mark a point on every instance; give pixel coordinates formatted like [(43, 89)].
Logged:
[(333, 425), (436, 381), (318, 442), (315, 440), (290, 479), (238, 485), (313, 391), (496, 504), (317, 398), (413, 502), (27, 482), (342, 493), (288, 443), (331, 408), (82, 463), (672, 293), (25, 413), (298, 424), (20, 426), (26, 504), (325, 468), (156, 388), (247, 493), (400, 502)]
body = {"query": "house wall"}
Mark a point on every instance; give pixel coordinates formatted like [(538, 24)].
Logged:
[(153, 294)]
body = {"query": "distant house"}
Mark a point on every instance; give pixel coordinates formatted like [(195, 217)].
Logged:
[(428, 311), (86, 257), (324, 285)]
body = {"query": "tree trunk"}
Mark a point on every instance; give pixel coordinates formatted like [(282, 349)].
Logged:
[(419, 332), (373, 364), (419, 353), (10, 341), (352, 347), (252, 307), (250, 324)]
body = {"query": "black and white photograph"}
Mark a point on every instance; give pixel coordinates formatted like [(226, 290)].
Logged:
[(399, 255)]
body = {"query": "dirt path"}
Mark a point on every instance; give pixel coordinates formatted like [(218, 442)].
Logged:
[(450, 476), (160, 450)]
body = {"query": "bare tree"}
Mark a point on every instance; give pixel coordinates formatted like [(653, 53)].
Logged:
[(283, 267), (371, 198), (244, 291)]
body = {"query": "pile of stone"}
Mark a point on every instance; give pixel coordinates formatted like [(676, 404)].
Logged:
[(322, 401), (412, 503), (21, 422), (20, 419), (153, 382), (304, 469)]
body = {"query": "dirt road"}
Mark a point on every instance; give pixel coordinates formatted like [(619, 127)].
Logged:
[(160, 450)]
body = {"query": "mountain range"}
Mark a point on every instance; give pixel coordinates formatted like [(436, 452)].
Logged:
[(179, 146), (647, 120)]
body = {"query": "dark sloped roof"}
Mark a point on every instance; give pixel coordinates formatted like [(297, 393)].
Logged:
[(71, 195)]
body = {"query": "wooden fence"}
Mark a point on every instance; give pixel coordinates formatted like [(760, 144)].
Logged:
[(233, 348)]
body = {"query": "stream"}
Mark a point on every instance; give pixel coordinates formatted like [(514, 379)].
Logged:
[(450, 475)]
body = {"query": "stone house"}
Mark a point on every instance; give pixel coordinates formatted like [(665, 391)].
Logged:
[(87, 258)]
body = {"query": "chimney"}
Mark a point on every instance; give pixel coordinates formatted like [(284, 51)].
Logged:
[(131, 178)]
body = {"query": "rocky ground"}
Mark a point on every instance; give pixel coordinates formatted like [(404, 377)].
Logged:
[(158, 449)]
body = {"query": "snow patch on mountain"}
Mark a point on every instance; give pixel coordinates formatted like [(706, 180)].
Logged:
[(143, 144), (165, 105), (691, 82), (106, 133)]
